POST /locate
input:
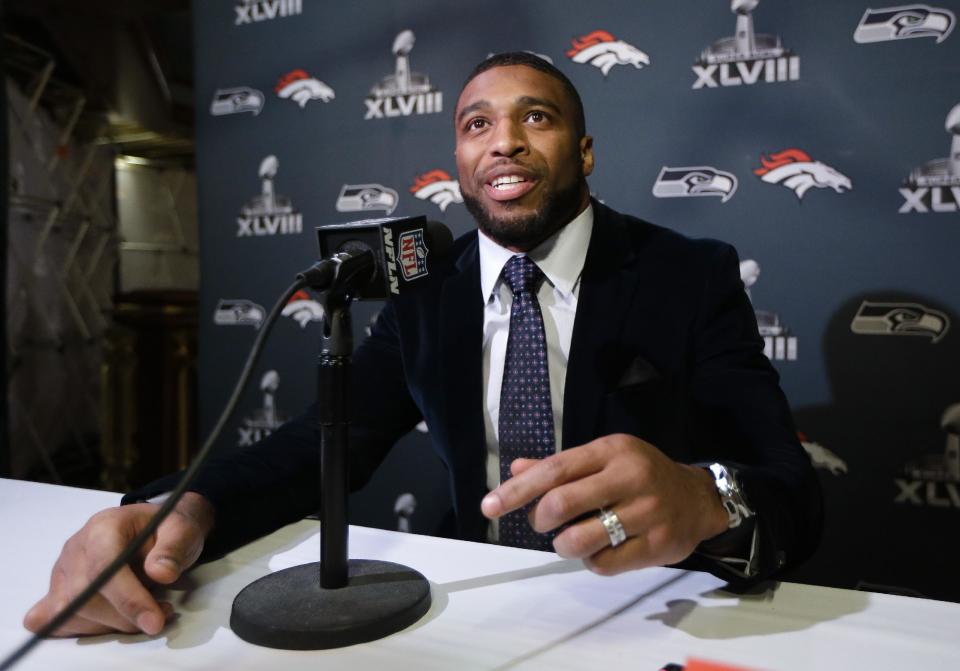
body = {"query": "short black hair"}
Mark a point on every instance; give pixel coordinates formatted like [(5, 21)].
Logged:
[(531, 60)]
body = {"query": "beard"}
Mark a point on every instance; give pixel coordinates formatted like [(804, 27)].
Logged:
[(525, 232)]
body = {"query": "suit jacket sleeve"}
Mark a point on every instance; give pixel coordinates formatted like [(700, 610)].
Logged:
[(742, 418), (258, 489)]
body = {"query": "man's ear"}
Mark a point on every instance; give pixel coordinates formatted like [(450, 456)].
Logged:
[(586, 154)]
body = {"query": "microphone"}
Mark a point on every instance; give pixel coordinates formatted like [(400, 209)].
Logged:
[(386, 256), (340, 601)]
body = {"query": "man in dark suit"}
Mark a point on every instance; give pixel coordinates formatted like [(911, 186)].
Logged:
[(549, 329)]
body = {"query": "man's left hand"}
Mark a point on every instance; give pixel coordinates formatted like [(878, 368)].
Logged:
[(666, 508)]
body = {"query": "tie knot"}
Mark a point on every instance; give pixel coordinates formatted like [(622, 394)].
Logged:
[(522, 275)]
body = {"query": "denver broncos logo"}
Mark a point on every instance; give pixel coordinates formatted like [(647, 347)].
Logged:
[(794, 169), (821, 456), (438, 187), (603, 50), (303, 309), (300, 87)]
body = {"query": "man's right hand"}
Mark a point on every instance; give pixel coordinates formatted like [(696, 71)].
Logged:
[(125, 603)]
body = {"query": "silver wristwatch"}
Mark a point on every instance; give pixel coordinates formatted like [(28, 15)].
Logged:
[(731, 494)]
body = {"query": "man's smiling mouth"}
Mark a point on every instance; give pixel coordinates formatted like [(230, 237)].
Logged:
[(509, 186), (506, 182)]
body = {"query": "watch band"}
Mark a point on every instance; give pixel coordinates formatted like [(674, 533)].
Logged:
[(731, 494)]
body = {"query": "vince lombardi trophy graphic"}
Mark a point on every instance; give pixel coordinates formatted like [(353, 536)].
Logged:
[(403, 508), (746, 44), (403, 81), (267, 203), (269, 384), (950, 423), (943, 467), (402, 46), (953, 127), (942, 171), (749, 273)]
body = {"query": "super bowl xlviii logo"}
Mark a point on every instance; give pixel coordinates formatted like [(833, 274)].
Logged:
[(935, 185), (695, 181), (254, 11), (934, 479), (438, 187), (889, 318), (403, 93), (236, 100), (794, 169), (364, 197), (904, 22), (778, 344), (301, 88), (602, 50), (268, 213), (262, 421), (747, 57)]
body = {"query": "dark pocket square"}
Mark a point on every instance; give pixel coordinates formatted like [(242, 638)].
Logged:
[(638, 372)]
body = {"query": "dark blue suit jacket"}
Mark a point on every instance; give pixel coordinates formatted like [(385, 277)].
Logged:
[(665, 347)]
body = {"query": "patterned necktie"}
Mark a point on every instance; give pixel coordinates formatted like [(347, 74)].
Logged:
[(526, 413)]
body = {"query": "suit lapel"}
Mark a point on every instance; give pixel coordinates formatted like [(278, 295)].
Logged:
[(461, 371), (607, 288)]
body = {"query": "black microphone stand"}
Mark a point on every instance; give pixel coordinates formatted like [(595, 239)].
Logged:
[(334, 602)]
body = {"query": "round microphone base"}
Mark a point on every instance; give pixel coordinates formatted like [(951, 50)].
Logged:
[(291, 611)]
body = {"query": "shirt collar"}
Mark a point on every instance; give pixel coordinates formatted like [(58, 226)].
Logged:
[(560, 257)]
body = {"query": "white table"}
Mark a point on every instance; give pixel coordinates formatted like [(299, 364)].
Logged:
[(493, 608)]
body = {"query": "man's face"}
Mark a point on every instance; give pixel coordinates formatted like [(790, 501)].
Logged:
[(522, 166)]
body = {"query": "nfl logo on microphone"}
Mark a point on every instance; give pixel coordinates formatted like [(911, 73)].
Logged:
[(413, 254)]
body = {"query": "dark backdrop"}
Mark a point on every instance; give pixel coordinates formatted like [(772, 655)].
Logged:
[(809, 153), (4, 179)]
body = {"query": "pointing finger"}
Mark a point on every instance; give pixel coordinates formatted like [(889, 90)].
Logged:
[(538, 478)]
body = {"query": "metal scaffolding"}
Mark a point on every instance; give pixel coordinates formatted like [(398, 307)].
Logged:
[(62, 253)]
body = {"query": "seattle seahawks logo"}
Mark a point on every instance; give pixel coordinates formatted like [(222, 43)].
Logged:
[(794, 169), (900, 319), (237, 312), (300, 87), (362, 197), (903, 22), (303, 309), (438, 187), (603, 50), (701, 180), (236, 100)]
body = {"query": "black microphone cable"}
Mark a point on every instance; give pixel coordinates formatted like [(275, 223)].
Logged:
[(304, 279)]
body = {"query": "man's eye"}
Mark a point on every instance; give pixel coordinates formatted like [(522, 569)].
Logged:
[(537, 116), (476, 124)]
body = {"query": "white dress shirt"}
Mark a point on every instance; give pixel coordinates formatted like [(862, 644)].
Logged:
[(561, 258)]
